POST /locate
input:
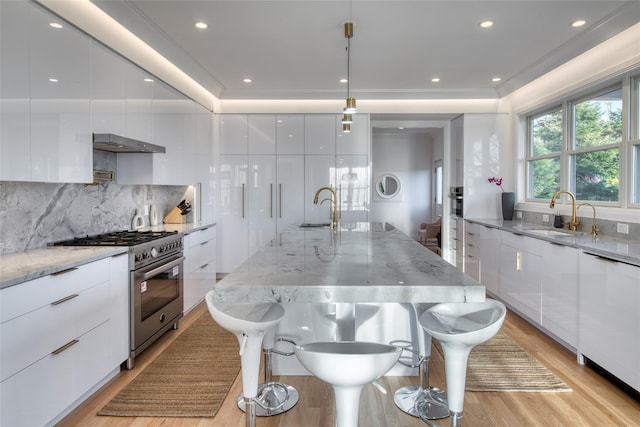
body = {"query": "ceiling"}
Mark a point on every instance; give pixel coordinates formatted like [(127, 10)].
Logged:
[(297, 49)]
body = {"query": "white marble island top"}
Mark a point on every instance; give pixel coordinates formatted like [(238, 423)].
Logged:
[(371, 262)]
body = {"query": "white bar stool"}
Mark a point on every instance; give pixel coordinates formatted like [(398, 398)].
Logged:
[(248, 322), (421, 400), (347, 366), (459, 327), (273, 397)]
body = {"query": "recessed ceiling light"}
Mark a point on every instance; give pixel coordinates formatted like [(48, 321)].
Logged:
[(343, 80), (486, 24), (435, 79), (578, 23), (55, 25), (201, 25), (496, 79), (148, 80), (53, 80), (247, 80)]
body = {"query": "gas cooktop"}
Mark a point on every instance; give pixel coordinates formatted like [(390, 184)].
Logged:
[(117, 238)]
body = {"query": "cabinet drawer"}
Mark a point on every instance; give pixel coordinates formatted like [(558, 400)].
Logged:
[(23, 298), (28, 338), (36, 395), (199, 237)]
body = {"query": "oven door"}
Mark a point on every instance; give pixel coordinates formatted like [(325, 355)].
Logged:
[(156, 298)]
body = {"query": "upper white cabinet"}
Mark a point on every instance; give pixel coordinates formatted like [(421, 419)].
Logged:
[(609, 319), (290, 134), (139, 103), (50, 71), (262, 133), (358, 140), (108, 91), (319, 134), (233, 134)]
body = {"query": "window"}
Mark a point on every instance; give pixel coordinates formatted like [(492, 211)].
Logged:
[(545, 149)]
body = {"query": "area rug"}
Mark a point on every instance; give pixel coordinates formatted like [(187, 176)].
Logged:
[(502, 365), (188, 379)]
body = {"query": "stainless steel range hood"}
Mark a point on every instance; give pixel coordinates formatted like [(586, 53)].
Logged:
[(121, 144)]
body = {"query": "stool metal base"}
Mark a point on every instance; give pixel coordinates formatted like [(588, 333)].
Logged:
[(422, 403), (281, 397)]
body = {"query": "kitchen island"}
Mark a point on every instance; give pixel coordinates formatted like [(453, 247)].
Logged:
[(357, 263)]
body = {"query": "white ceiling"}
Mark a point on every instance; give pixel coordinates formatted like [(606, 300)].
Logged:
[(296, 49)]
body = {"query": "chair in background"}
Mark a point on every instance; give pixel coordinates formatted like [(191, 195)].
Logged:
[(429, 235)]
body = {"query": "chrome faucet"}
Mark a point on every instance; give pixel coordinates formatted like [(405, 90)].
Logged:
[(334, 220), (594, 228), (574, 223)]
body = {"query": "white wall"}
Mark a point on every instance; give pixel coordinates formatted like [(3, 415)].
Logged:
[(410, 156)]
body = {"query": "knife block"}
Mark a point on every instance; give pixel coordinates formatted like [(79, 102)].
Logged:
[(174, 217)]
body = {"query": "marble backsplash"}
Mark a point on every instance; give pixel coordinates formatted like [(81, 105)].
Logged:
[(34, 214)]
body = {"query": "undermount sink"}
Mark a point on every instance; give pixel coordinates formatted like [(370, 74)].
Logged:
[(315, 224), (551, 233)]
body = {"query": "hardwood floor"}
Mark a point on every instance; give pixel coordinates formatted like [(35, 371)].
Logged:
[(594, 401)]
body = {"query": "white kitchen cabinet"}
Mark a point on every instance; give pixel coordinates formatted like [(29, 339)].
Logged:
[(290, 134), (139, 104), (354, 191), (319, 171), (559, 303), (233, 212), (290, 191), (609, 319), (319, 134), (490, 259), (15, 131), (457, 241), (521, 274), (261, 192), (262, 133), (54, 331), (358, 140), (234, 134), (205, 165), (199, 265), (472, 250), (46, 75), (108, 91)]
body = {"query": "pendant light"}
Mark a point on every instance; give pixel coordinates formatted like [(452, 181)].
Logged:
[(351, 102)]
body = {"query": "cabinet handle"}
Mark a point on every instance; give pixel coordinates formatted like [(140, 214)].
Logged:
[(280, 199), (204, 243), (65, 347), (470, 245), (119, 255), (518, 260), (270, 200), (242, 200), (68, 270), (204, 266), (65, 299), (470, 234)]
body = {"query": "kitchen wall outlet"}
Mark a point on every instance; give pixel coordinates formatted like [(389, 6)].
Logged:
[(623, 228), (146, 210), (545, 218)]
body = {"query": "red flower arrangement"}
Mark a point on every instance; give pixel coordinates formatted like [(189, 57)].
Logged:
[(497, 181)]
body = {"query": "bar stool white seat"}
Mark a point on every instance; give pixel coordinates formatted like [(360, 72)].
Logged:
[(459, 327), (421, 400), (248, 322), (347, 366), (274, 397)]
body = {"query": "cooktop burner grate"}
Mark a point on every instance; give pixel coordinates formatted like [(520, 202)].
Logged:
[(117, 238)]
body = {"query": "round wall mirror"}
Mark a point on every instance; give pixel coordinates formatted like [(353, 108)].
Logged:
[(388, 186)]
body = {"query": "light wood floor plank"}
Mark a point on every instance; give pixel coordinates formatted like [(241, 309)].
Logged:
[(593, 402)]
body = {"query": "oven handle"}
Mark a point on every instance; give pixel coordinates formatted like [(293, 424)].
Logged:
[(162, 268)]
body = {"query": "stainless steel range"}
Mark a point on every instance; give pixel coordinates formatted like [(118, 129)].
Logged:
[(155, 283)]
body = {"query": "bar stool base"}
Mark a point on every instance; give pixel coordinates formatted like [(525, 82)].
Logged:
[(271, 395), (422, 403)]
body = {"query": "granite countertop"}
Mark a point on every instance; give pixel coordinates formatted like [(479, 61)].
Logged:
[(627, 251), (370, 262), (19, 267)]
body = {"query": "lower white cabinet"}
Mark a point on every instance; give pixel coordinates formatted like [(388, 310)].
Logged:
[(489, 249), (199, 266), (609, 319), (559, 302), (472, 250), (61, 335)]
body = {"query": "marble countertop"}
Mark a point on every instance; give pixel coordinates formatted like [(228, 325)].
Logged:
[(371, 262), (627, 251), (19, 267)]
